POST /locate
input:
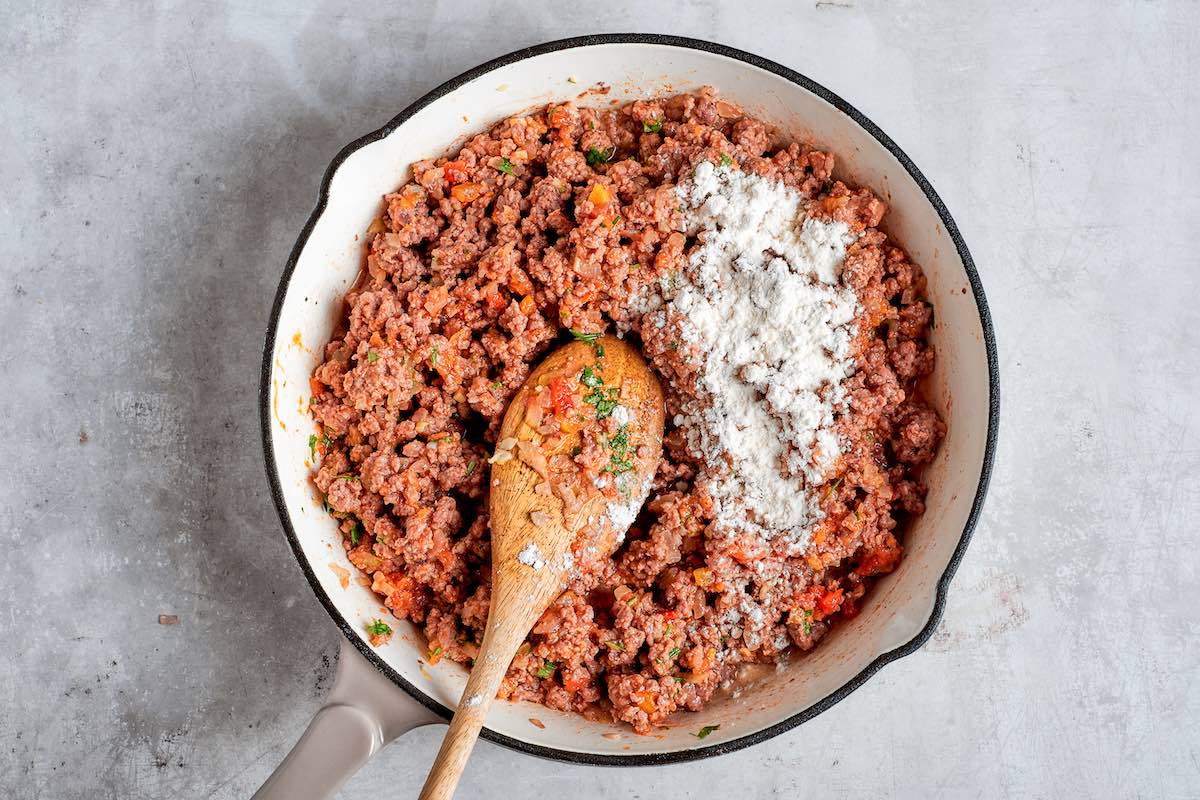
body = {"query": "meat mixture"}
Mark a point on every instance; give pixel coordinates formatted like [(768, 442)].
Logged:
[(789, 335)]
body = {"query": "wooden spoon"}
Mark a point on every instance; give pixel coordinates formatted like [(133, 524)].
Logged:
[(536, 541)]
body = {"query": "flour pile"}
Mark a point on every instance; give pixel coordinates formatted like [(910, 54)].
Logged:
[(762, 306)]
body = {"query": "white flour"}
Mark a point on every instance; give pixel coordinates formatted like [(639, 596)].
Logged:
[(531, 556), (761, 304)]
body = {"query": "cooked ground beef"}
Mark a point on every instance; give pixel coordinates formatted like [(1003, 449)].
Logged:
[(477, 267)]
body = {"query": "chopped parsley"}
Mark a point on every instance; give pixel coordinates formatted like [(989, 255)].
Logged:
[(605, 400), (621, 460), (497, 384), (470, 468), (347, 476), (726, 160), (706, 730), (372, 356), (580, 336), (356, 534), (612, 644), (312, 446), (379, 628), (546, 669), (433, 356), (596, 156), (505, 166), (674, 653), (589, 378), (599, 350), (807, 623), (652, 127), (833, 487), (435, 652)]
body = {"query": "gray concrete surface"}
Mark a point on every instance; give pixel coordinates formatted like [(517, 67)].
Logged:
[(156, 162)]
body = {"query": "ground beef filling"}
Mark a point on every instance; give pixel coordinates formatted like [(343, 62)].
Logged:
[(550, 223)]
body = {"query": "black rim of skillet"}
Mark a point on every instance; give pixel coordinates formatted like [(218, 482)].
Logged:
[(985, 319)]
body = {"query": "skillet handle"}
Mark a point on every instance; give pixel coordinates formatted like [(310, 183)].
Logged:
[(363, 712)]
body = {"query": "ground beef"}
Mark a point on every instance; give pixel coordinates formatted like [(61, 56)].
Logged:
[(479, 266)]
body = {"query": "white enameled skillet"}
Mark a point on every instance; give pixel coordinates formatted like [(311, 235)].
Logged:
[(382, 692)]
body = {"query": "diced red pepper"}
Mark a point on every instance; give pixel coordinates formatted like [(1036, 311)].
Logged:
[(495, 300), (879, 561), (574, 680), (830, 601), (561, 396), (455, 172)]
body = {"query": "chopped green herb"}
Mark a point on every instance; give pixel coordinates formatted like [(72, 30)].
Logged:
[(615, 645), (599, 348), (706, 730), (652, 127), (435, 652), (325, 440), (670, 627), (674, 345), (328, 508), (312, 446), (596, 156), (379, 628), (433, 356), (312, 401), (605, 400), (372, 356), (576, 450), (620, 460), (807, 622), (470, 468), (497, 384), (347, 476), (579, 336), (356, 534), (726, 160), (678, 679), (546, 669), (589, 378), (674, 653), (505, 166), (833, 487)]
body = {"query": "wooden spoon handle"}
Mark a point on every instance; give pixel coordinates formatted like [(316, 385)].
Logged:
[(504, 634)]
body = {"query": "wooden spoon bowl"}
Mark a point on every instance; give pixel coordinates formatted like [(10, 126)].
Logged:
[(539, 541)]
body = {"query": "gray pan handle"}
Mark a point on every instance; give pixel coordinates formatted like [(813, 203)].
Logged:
[(363, 712)]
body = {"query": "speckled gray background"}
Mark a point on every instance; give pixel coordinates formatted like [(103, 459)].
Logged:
[(156, 163)]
